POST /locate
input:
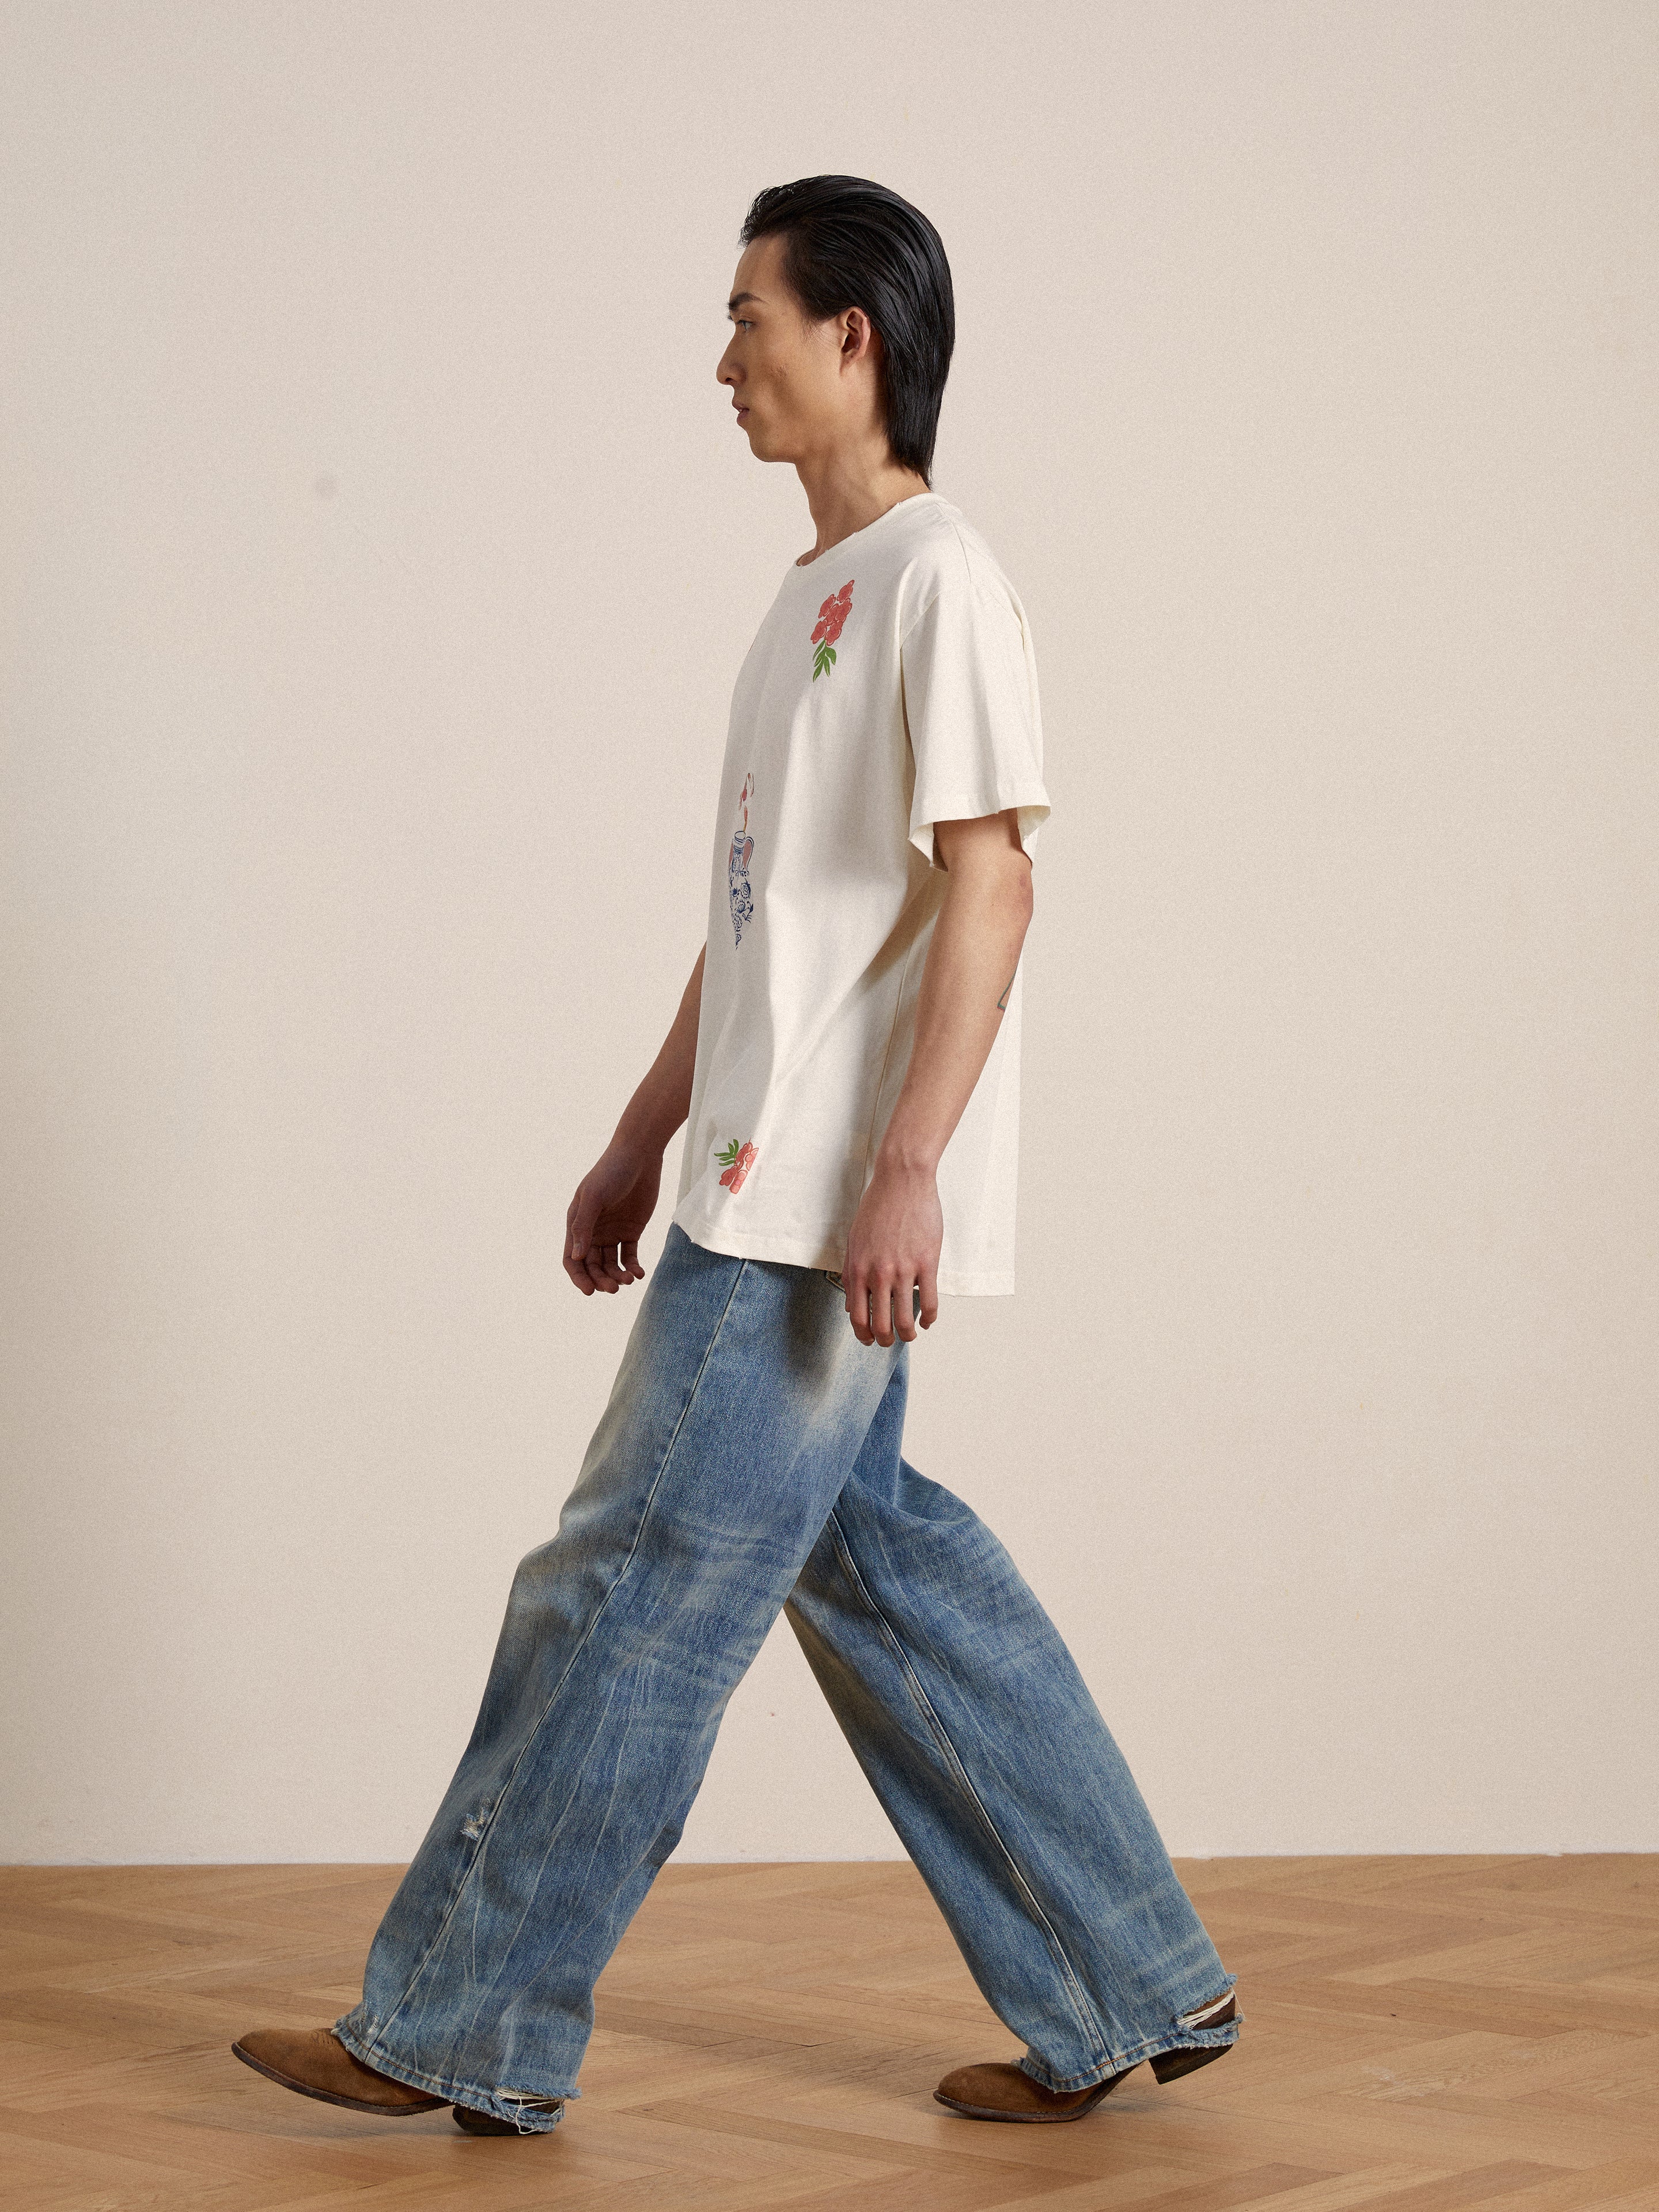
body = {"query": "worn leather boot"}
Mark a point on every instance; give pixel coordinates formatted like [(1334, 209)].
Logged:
[(314, 2061), (1005, 2092)]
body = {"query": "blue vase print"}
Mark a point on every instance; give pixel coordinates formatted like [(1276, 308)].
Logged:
[(737, 867)]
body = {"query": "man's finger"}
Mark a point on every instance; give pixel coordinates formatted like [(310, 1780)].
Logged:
[(575, 1248), (595, 1254), (929, 1279), (585, 1250), (610, 1261)]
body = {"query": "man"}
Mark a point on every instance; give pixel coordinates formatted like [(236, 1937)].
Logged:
[(846, 1061)]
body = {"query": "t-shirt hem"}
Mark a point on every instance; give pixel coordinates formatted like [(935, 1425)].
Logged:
[(1028, 800), (799, 1248), (826, 1249)]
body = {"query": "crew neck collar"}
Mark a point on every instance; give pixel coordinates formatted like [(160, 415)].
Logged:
[(899, 507)]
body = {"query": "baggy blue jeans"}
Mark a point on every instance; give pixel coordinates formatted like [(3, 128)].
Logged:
[(747, 1462)]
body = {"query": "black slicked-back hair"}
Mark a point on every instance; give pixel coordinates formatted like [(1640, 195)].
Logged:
[(849, 243)]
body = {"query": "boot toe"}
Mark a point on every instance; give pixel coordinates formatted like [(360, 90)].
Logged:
[(314, 2062), (999, 2091), (984, 2085)]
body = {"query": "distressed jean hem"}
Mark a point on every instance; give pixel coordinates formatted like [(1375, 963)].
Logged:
[(1173, 2038), (370, 2053)]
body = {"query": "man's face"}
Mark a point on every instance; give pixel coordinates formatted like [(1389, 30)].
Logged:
[(788, 377)]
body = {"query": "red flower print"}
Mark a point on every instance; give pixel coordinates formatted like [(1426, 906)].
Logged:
[(832, 615), (740, 1158)]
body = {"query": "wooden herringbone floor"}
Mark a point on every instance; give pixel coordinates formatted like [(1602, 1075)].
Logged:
[(1424, 2035)]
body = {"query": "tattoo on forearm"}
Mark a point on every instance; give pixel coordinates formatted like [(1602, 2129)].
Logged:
[(1002, 1003)]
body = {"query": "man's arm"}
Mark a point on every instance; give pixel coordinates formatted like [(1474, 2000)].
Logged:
[(664, 1097), (618, 1194), (898, 1231)]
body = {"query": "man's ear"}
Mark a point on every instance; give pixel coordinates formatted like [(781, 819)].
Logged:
[(860, 333)]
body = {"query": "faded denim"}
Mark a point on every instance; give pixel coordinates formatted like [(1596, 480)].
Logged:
[(747, 1462)]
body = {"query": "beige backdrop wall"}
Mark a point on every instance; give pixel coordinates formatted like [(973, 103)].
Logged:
[(378, 554)]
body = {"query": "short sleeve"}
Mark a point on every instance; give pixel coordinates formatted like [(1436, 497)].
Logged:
[(971, 707)]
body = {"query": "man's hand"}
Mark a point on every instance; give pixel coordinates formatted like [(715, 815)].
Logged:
[(602, 1227), (894, 1244)]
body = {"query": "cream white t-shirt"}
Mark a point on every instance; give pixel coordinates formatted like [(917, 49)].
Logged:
[(892, 685)]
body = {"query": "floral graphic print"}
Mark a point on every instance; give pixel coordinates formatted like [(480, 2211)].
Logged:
[(737, 867), (831, 615), (739, 1159)]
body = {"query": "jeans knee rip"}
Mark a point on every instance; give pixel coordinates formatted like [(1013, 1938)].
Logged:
[(474, 1823)]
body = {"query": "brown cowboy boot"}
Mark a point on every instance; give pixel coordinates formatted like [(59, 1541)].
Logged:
[(314, 2062), (1004, 2092)]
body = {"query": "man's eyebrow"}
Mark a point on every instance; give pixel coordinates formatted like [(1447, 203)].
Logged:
[(736, 300)]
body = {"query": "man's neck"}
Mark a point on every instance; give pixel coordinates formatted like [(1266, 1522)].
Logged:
[(850, 492)]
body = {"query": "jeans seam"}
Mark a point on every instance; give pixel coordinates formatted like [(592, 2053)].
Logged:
[(1087, 2018), (482, 1837)]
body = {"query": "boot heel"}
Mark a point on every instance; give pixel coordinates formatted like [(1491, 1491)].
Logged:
[(1171, 2065)]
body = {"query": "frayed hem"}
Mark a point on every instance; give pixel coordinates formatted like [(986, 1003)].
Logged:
[(1213, 2038), (499, 2105)]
